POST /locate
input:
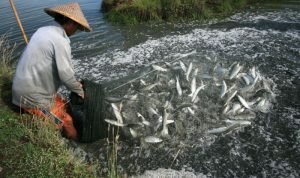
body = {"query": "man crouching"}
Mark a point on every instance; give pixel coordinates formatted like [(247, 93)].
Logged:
[(45, 65)]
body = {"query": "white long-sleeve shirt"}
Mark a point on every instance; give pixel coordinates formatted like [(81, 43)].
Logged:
[(44, 66)]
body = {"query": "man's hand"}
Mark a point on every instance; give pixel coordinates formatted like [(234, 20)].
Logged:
[(80, 84), (81, 95)]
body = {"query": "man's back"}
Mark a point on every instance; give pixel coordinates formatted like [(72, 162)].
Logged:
[(37, 78)]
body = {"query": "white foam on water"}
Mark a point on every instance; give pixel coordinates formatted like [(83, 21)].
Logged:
[(170, 173), (283, 16), (237, 43)]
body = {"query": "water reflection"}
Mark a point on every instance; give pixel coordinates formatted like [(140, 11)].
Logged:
[(32, 17)]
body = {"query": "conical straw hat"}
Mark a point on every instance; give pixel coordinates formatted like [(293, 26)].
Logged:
[(72, 11)]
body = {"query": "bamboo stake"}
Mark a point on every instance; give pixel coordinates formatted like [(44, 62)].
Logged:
[(18, 20)]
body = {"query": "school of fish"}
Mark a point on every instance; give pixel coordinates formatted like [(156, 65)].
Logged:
[(185, 99)]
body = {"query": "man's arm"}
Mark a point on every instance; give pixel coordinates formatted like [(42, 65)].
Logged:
[(64, 67)]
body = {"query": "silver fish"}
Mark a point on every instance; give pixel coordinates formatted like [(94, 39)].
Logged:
[(236, 69), (182, 66), (266, 85), (231, 88), (232, 65), (217, 130), (149, 87), (220, 71), (135, 125), (224, 89), (231, 127), (266, 107), (167, 104), (236, 107), (143, 82), (191, 111), (243, 101), (160, 119), (131, 97), (230, 97), (241, 122), (249, 87), (144, 121), (117, 113), (179, 90), (246, 116), (240, 75), (158, 68), (193, 86), (195, 73), (152, 111), (184, 105), (165, 130), (263, 106), (152, 139), (246, 79), (169, 65), (113, 99), (258, 75), (121, 107), (206, 76), (225, 110), (133, 133), (197, 91), (170, 121), (189, 70), (116, 123), (253, 72), (254, 101), (261, 103), (241, 110), (115, 107), (171, 82)]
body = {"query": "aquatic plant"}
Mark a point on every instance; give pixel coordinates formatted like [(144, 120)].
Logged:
[(134, 11)]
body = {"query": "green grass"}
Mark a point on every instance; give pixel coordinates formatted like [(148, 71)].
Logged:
[(135, 11), (239, 3), (225, 7), (6, 54), (112, 155), (30, 146)]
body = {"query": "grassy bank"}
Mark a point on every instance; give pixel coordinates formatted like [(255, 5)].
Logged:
[(135, 11), (31, 147)]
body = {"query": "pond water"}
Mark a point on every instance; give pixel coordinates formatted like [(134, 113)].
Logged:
[(267, 36)]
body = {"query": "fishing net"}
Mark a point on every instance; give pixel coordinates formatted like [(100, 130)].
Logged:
[(89, 115)]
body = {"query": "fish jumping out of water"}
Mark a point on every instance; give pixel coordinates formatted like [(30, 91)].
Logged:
[(243, 101), (144, 121), (189, 70), (116, 123), (152, 139), (224, 89), (197, 91), (158, 68), (236, 69), (183, 67), (178, 87)]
